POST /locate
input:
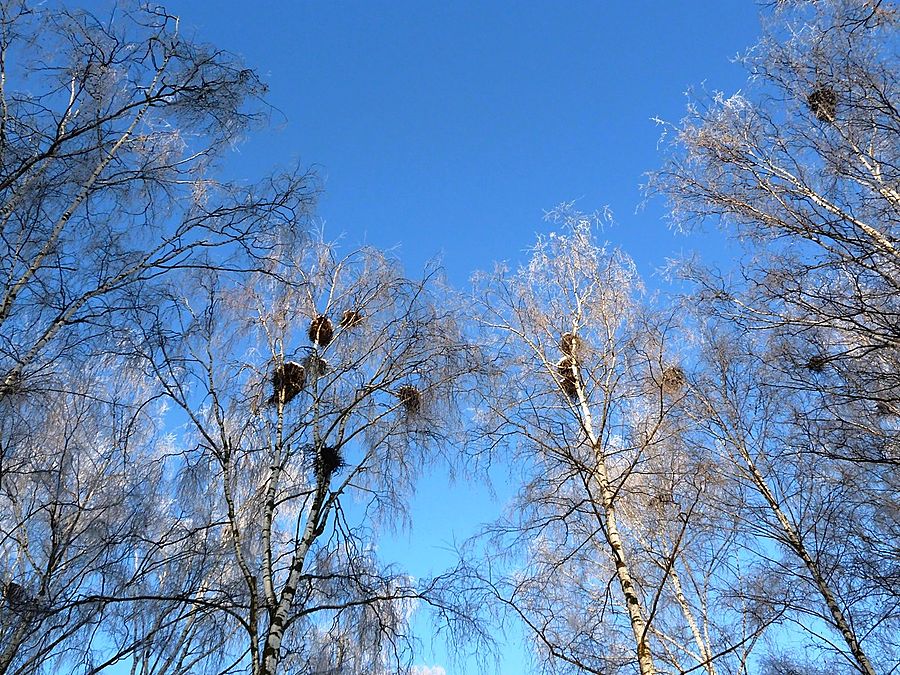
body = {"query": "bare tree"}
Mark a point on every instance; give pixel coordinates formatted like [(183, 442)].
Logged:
[(313, 396), (811, 187), (241, 382), (110, 130), (612, 555), (76, 509), (803, 167), (816, 535)]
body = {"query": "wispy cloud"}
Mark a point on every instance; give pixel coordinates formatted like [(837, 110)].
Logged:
[(428, 670)]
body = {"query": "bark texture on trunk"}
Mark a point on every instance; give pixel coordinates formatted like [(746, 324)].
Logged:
[(272, 651), (616, 546), (795, 541)]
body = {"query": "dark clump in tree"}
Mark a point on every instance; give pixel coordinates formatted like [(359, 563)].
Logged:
[(566, 375), (329, 460), (288, 380), (321, 331), (569, 343), (410, 398), (823, 103), (11, 384), (352, 318), (884, 408), (816, 363), (17, 598), (672, 381)]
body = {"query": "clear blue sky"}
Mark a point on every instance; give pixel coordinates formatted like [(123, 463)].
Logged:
[(447, 128)]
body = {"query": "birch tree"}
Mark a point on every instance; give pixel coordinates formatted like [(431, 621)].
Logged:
[(313, 397), (110, 133), (820, 536), (612, 556), (802, 166), (80, 480)]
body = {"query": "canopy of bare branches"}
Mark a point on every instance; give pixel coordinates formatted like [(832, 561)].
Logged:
[(210, 414)]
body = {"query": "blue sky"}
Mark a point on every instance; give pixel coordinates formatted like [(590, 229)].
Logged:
[(446, 129)]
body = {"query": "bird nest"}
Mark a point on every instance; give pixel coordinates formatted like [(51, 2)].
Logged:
[(885, 409), (321, 331), (288, 380), (327, 460), (823, 103), (570, 343), (817, 363), (352, 318), (672, 380), (565, 372), (17, 598), (410, 398)]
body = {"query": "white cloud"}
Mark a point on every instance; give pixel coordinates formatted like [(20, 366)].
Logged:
[(428, 670)]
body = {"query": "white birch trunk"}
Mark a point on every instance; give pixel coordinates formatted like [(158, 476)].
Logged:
[(617, 548)]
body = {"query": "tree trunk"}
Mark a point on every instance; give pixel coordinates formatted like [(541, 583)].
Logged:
[(272, 651), (623, 573), (9, 653), (796, 543), (632, 603)]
